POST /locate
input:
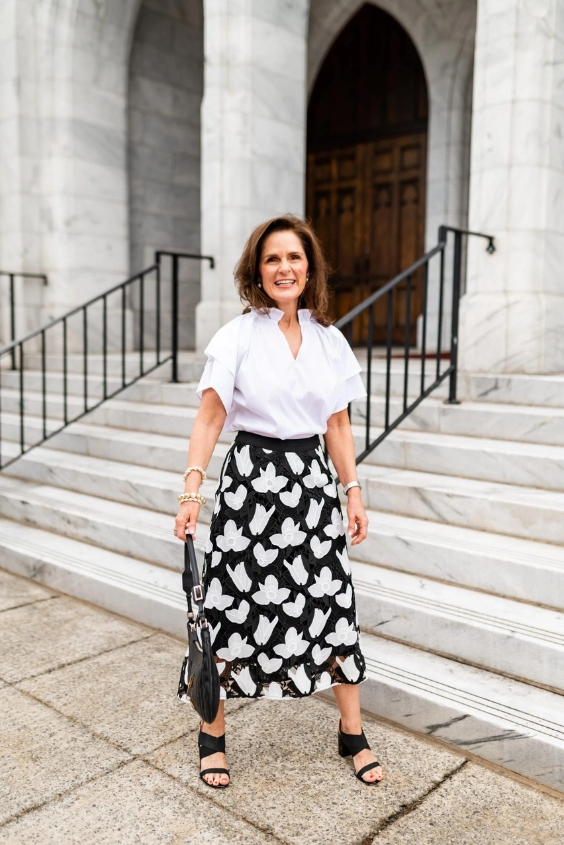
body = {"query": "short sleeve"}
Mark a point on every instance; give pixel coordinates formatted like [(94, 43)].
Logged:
[(349, 384), (221, 367)]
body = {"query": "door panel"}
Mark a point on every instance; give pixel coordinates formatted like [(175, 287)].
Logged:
[(367, 204)]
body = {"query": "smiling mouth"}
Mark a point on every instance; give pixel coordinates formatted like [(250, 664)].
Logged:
[(285, 283)]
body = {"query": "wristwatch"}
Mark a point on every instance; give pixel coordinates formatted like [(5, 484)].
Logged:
[(348, 486)]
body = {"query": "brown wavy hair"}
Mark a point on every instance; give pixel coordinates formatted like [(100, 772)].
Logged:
[(314, 296)]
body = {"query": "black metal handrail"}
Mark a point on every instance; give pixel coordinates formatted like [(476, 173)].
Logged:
[(12, 281), (134, 286), (346, 324)]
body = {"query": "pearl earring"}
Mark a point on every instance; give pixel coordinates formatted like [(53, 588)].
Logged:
[(259, 283)]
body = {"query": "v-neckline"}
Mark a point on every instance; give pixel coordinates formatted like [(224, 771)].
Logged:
[(285, 339)]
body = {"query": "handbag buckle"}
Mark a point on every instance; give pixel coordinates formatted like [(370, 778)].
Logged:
[(198, 593)]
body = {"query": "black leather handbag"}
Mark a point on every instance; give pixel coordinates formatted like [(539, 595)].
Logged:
[(199, 678)]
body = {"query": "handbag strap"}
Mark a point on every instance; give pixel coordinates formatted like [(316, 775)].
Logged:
[(191, 581)]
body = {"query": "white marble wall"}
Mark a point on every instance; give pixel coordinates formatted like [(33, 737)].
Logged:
[(513, 312), (253, 135), (443, 34)]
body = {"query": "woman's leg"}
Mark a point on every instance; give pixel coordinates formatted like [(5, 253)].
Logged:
[(348, 700), (217, 728)]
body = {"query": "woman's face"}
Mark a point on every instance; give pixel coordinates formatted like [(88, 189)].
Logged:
[(283, 267)]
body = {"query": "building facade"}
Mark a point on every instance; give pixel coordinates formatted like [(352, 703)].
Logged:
[(133, 125)]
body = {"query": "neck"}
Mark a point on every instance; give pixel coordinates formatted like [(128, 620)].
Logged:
[(290, 317)]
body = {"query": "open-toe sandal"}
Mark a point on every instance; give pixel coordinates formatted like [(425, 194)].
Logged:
[(209, 745), (351, 744)]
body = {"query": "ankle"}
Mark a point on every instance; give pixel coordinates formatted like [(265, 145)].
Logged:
[(354, 726), (215, 729)]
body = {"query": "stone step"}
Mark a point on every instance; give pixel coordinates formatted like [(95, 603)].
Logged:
[(525, 512), (190, 364), (495, 563), (492, 632), (502, 720), (541, 390), (33, 381), (499, 719), (509, 462)]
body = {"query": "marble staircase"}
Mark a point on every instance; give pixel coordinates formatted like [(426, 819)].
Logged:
[(460, 584)]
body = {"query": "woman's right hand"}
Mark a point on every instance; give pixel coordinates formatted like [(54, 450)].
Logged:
[(186, 519)]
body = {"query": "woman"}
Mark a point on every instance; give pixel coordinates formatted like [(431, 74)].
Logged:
[(276, 574)]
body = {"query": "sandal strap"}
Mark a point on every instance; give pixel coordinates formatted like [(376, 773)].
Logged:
[(214, 771), (365, 769), (355, 742), (209, 744)]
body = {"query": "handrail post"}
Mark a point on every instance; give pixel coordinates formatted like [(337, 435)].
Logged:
[(456, 280), (13, 317), (175, 318)]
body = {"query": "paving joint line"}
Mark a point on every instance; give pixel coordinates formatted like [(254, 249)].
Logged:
[(28, 603), (407, 809)]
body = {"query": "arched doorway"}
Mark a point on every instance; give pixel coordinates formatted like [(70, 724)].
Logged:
[(367, 143)]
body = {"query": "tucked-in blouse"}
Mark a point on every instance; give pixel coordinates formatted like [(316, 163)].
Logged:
[(265, 390)]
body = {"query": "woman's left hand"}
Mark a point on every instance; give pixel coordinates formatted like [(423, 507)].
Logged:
[(358, 521)]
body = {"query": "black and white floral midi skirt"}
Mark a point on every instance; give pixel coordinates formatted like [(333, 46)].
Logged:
[(277, 580)]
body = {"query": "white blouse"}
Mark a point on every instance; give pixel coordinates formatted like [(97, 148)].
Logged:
[(265, 390)]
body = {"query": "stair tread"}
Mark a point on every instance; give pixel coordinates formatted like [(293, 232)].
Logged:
[(466, 606), (462, 486), (531, 552), (476, 691), (473, 443)]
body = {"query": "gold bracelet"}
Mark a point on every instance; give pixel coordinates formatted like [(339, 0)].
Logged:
[(195, 469), (191, 497)]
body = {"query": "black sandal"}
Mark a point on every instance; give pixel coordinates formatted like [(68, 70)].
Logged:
[(208, 745), (351, 744)]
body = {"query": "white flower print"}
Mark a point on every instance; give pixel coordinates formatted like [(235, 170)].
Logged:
[(240, 578), (274, 690), (264, 556), (324, 682), (217, 505), (244, 680), (232, 538), (208, 547), (299, 676), (316, 477), (269, 480), (260, 520), (324, 584), (215, 597), (319, 548), (291, 534), (344, 561), (239, 614), (220, 667), (294, 644), (236, 500), (345, 599), (320, 655), (269, 666), (330, 490), (222, 694), (225, 483), (291, 498), (336, 528), (237, 647), (319, 452), (344, 634), (295, 608), (314, 513), (349, 667), (297, 570), (264, 629), (318, 622), (243, 459), (296, 463), (215, 558), (270, 592), (214, 632)]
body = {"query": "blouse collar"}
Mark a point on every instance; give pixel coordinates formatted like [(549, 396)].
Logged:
[(276, 314)]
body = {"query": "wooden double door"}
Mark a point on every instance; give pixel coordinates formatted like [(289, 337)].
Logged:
[(367, 204)]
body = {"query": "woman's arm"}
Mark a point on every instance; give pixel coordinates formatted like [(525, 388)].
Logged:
[(207, 427), (340, 445)]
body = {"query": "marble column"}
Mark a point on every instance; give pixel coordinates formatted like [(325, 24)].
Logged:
[(513, 311), (253, 135)]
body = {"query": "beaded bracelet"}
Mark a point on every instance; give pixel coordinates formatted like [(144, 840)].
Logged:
[(197, 469), (191, 497)]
